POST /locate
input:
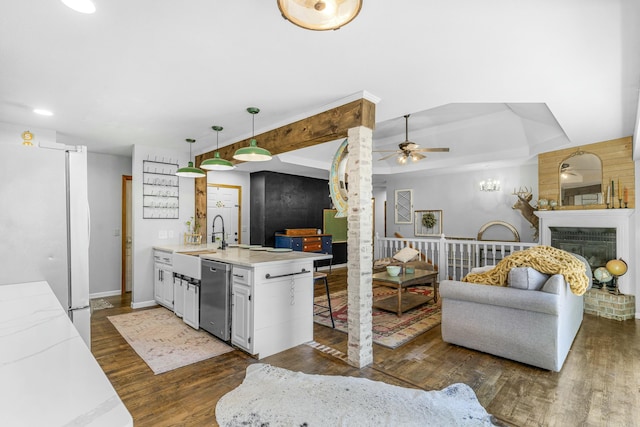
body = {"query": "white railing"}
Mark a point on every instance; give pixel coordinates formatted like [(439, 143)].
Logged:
[(453, 258)]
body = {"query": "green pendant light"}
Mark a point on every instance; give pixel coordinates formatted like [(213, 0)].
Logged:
[(217, 163), (190, 171), (252, 153)]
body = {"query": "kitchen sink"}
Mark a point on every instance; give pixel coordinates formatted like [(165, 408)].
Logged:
[(188, 263)]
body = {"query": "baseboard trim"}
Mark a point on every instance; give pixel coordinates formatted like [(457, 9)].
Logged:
[(104, 294), (143, 304)]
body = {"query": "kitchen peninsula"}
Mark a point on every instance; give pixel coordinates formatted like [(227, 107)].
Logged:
[(271, 293)]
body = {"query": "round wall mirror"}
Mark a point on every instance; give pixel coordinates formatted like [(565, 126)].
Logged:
[(338, 179), (581, 180)]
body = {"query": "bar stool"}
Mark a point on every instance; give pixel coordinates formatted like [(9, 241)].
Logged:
[(317, 276)]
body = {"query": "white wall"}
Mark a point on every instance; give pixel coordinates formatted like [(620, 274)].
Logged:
[(105, 201), (150, 232), (465, 208)]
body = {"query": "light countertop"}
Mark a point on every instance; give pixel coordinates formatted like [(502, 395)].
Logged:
[(187, 248), (48, 376), (253, 258), (244, 256)]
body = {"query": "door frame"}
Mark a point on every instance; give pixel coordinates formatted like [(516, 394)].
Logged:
[(123, 240), (237, 187)]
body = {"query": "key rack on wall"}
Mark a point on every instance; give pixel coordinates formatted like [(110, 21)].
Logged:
[(160, 192)]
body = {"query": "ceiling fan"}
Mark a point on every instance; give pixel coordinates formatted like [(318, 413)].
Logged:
[(566, 169), (409, 150)]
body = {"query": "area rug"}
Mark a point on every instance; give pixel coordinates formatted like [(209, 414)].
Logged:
[(164, 341), (272, 396), (389, 330), (99, 304)]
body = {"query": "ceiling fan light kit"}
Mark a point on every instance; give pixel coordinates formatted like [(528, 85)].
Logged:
[(320, 15), (217, 163), (190, 171), (409, 150), (252, 153)]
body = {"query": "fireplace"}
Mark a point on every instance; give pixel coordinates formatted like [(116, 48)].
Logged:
[(596, 244), (599, 235)]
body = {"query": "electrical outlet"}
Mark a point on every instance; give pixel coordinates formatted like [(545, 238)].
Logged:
[(116, 232), (162, 234)]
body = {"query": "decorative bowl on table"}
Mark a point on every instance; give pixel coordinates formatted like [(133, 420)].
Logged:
[(393, 270)]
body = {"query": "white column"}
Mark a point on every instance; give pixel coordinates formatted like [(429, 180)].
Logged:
[(359, 246)]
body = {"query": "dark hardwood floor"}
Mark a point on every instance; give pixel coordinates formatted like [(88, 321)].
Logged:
[(599, 384)]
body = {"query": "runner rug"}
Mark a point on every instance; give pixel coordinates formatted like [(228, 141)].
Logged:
[(164, 341), (271, 396), (389, 330), (99, 304)]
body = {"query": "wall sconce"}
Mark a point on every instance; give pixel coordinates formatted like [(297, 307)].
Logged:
[(490, 185), (27, 138), (320, 15)]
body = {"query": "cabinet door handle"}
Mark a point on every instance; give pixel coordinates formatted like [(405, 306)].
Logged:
[(239, 275)]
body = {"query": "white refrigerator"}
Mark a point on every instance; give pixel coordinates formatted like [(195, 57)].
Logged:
[(44, 221)]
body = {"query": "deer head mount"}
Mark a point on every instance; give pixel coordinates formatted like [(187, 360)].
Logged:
[(522, 204)]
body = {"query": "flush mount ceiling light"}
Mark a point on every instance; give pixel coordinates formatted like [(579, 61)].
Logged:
[(252, 153), (42, 112), (82, 6), (319, 15), (217, 163), (190, 171)]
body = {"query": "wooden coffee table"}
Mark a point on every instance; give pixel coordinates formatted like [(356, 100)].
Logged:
[(404, 301)]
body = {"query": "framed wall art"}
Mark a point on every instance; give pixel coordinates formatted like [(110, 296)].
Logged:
[(428, 222), (404, 206)]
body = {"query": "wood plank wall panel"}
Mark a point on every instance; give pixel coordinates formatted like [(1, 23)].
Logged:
[(617, 163), (327, 126)]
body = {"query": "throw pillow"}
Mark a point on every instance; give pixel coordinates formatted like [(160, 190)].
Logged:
[(406, 254), (554, 284), (527, 278), (482, 269)]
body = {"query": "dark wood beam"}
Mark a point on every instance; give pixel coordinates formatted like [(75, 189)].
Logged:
[(323, 127)]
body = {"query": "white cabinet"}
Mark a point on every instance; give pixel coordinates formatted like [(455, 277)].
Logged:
[(272, 307), (241, 310), (191, 304), (163, 278), (178, 296)]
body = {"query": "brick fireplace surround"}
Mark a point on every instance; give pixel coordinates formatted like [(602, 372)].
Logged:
[(599, 301)]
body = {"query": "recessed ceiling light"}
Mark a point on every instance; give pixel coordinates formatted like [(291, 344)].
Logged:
[(82, 6), (43, 112)]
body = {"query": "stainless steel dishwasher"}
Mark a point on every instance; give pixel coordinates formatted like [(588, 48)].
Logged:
[(215, 299)]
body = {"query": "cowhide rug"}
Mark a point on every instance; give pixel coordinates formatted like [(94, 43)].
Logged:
[(271, 396)]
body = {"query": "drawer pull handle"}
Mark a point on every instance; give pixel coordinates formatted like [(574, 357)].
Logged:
[(239, 275), (269, 276)]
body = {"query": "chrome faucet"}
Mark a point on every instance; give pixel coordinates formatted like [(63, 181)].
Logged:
[(213, 231)]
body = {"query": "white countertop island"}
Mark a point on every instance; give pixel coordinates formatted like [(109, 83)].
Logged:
[(48, 376), (246, 257), (253, 258)]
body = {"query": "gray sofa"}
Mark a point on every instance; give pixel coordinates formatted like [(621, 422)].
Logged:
[(533, 324)]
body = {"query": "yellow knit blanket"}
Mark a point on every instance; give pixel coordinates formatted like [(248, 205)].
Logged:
[(545, 259)]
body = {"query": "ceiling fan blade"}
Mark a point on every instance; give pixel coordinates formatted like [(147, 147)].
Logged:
[(431, 150), (417, 156), (389, 156), (386, 151)]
